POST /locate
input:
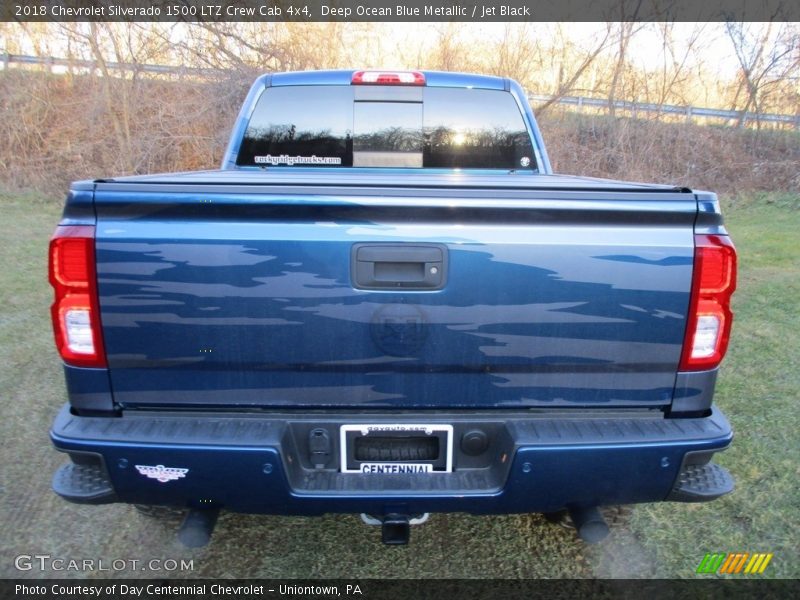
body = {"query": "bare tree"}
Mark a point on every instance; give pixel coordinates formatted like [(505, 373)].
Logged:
[(626, 29), (450, 51), (767, 56), (517, 54), (573, 63), (674, 76)]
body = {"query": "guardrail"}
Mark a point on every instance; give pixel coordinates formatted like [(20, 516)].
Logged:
[(579, 102), (75, 63), (670, 109)]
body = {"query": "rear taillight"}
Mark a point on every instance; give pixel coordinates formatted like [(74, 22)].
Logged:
[(388, 78), (75, 311), (710, 317)]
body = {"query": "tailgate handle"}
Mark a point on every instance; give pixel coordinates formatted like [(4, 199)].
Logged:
[(399, 266)]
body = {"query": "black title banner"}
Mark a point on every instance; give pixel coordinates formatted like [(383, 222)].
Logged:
[(371, 589), (398, 10)]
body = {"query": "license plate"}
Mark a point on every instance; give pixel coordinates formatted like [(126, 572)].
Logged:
[(398, 448)]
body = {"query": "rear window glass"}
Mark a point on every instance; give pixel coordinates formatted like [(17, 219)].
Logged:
[(333, 126), (293, 123), (387, 134)]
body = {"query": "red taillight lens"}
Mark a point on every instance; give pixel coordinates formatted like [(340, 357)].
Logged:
[(388, 78), (708, 327), (75, 311)]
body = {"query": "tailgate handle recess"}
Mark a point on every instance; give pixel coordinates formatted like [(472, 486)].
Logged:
[(399, 266)]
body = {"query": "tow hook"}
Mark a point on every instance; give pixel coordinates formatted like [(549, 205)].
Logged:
[(395, 528), (197, 527), (590, 525)]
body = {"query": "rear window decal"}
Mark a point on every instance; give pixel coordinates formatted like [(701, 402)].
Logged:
[(285, 159)]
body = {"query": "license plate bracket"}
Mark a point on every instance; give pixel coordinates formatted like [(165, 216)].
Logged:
[(394, 448)]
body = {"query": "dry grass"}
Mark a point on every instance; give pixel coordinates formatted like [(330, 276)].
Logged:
[(56, 129), (60, 128), (723, 159)]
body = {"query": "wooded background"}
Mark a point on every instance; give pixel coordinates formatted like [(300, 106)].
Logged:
[(75, 122)]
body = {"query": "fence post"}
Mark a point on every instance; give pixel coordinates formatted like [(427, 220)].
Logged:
[(6, 61)]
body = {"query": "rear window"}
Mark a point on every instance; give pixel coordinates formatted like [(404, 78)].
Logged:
[(377, 126)]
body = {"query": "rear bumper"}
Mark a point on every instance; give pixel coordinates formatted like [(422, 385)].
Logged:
[(260, 463)]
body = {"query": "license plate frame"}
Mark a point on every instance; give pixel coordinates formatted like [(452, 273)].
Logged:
[(349, 432)]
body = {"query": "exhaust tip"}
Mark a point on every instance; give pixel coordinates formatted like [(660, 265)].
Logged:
[(197, 527), (590, 525)]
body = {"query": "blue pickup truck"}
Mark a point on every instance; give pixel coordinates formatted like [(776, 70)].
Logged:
[(386, 303)]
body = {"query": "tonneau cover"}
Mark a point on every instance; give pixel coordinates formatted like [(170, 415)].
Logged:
[(389, 178)]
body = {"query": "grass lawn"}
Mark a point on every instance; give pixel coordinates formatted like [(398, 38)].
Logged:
[(757, 389)]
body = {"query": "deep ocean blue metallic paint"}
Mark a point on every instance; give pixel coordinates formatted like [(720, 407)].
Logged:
[(576, 476), (567, 469), (220, 302), (227, 296)]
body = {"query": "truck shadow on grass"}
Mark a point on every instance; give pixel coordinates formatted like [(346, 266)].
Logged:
[(512, 546)]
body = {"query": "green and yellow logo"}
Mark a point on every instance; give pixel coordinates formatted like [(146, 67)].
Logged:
[(734, 563)]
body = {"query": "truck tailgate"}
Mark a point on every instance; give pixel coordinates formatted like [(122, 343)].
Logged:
[(247, 295)]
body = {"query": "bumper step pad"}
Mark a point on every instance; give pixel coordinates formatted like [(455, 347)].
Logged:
[(701, 483), (83, 484)]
